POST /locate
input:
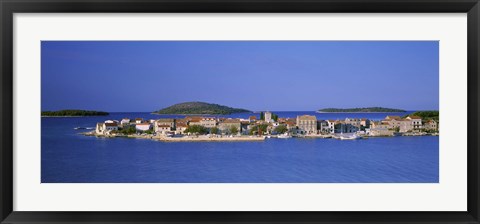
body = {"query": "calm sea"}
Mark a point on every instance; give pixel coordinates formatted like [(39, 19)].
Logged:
[(68, 157)]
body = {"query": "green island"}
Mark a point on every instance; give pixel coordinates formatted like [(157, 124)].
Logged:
[(199, 108), (73, 113), (360, 110)]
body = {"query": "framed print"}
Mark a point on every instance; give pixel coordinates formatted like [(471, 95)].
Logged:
[(250, 112)]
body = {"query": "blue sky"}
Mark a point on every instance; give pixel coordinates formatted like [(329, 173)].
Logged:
[(141, 76)]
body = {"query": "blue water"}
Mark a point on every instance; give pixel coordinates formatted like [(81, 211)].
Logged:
[(68, 157)]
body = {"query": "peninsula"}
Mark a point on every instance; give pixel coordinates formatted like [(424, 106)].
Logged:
[(73, 113), (199, 108), (360, 110), (252, 128)]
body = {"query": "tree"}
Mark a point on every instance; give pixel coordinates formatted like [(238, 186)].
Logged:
[(214, 130), (128, 130), (275, 117), (233, 130), (280, 129), (196, 129), (259, 129), (262, 116)]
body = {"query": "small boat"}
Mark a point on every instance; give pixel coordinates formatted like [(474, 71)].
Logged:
[(78, 128), (284, 136), (349, 137)]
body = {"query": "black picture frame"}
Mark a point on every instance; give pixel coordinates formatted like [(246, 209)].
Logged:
[(9, 7)]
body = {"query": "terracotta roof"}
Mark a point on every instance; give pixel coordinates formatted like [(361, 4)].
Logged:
[(144, 124), (393, 117), (252, 117), (163, 126), (307, 117), (138, 119), (414, 117), (193, 117), (231, 121), (168, 120), (290, 123), (195, 120), (111, 124)]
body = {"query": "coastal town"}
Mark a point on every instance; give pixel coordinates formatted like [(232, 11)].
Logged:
[(268, 125)]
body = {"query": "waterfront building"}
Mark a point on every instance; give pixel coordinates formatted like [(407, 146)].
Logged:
[(143, 126), (208, 122), (99, 128), (365, 122), (226, 124), (125, 122), (252, 118), (291, 125), (344, 127), (138, 120), (194, 120), (104, 128), (430, 125), (331, 126), (165, 121), (180, 128), (162, 128), (323, 126), (307, 124), (416, 122), (354, 122)]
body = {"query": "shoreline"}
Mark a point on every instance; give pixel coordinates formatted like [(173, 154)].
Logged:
[(182, 139), (243, 138)]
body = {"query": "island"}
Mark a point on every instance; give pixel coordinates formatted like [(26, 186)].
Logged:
[(200, 108), (360, 110), (249, 127), (73, 113)]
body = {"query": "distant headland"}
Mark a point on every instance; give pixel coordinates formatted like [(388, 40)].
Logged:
[(200, 108), (73, 113), (360, 110)]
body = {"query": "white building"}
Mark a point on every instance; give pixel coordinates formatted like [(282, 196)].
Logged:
[(143, 126)]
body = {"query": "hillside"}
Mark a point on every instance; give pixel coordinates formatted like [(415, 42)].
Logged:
[(199, 108), (360, 110), (71, 113), (427, 114)]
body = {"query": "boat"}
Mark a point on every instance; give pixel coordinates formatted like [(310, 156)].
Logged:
[(284, 136), (349, 137)]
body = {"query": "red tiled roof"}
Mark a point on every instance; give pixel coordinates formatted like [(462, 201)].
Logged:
[(231, 121), (414, 117)]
